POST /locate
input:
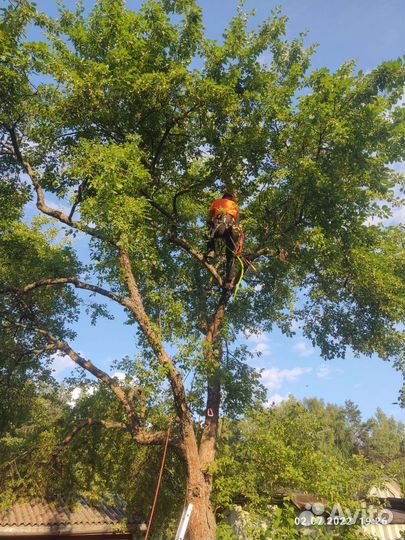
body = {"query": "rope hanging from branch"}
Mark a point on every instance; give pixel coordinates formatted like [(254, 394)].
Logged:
[(159, 482)]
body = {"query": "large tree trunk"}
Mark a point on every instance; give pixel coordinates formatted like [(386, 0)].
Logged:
[(199, 489), (202, 525)]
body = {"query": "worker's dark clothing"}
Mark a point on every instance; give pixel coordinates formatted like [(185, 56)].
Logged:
[(223, 222)]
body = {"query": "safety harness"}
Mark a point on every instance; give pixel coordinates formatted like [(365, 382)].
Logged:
[(224, 214)]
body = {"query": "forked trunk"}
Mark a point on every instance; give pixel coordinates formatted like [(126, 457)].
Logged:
[(202, 525)]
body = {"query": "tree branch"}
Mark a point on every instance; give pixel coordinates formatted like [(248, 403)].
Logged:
[(140, 436), (209, 436), (63, 346), (154, 340), (208, 440), (77, 283), (41, 203), (181, 242), (173, 123), (179, 194), (83, 424), (259, 252), (158, 437)]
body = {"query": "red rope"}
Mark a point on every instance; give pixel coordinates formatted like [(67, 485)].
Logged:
[(158, 484)]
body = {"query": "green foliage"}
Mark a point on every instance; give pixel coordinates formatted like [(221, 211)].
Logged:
[(28, 253), (384, 444), (288, 447), (262, 459), (139, 140), (97, 464), (305, 447), (138, 121), (284, 529), (28, 437)]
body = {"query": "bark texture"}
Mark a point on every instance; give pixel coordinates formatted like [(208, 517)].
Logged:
[(198, 458)]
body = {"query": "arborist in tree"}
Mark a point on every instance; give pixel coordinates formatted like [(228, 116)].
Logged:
[(223, 222)]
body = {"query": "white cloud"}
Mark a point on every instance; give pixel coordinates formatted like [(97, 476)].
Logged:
[(74, 395), (398, 216), (261, 349), (78, 391), (119, 375), (273, 378), (275, 400), (60, 362), (303, 348), (261, 341), (324, 372)]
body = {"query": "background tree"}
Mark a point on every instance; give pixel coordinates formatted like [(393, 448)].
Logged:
[(295, 447), (123, 125), (262, 460), (384, 443)]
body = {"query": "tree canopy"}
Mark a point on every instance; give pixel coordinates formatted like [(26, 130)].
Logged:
[(136, 121)]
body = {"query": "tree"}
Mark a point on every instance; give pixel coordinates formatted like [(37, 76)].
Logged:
[(384, 444), (138, 121), (41, 456), (273, 453)]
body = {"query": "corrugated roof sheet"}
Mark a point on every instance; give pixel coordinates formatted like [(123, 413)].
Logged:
[(391, 491), (38, 512), (384, 532), (390, 488)]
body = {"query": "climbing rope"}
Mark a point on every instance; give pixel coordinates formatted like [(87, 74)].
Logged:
[(159, 482), (237, 252), (242, 273)]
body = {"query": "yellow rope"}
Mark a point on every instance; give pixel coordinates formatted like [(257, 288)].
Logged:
[(242, 273)]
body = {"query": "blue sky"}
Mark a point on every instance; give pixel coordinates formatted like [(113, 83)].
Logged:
[(368, 32)]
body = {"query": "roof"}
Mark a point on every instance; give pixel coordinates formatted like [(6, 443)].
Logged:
[(302, 501), (389, 491), (384, 532), (41, 517), (389, 488), (388, 494)]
